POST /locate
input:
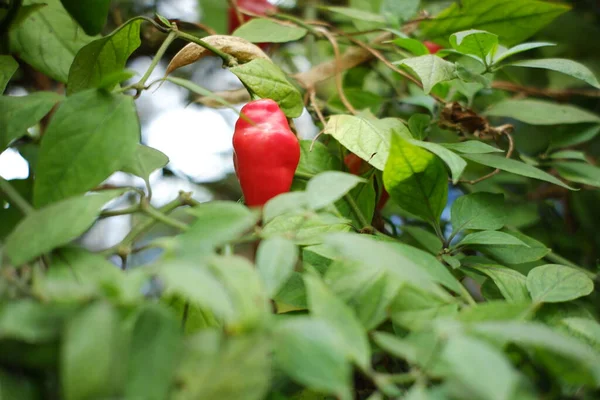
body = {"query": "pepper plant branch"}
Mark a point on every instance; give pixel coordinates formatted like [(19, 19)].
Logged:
[(14, 197)]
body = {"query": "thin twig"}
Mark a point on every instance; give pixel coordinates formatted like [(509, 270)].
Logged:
[(532, 91), (511, 147), (14, 197)]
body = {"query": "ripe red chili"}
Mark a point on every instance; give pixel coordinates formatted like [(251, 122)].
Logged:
[(266, 152), (260, 7), (432, 47), (357, 166)]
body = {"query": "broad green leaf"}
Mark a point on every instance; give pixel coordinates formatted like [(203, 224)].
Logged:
[(478, 211), (275, 262), (588, 328), (578, 172), (292, 294), (540, 112), (430, 69), (304, 230), (481, 369), (398, 347), (8, 67), (246, 358), (503, 53), (48, 40), (416, 180), (357, 14), (262, 30), (569, 155), (365, 197), (55, 225), (291, 202), (416, 47), (196, 285), (267, 80), (510, 254), (497, 310), (91, 136), (91, 16), (369, 139), (145, 160), (414, 309), (155, 347), (418, 123), (567, 136), (216, 223), (515, 167), (513, 21), (475, 42), (512, 284), (29, 321), (18, 113), (83, 352), (567, 67), (554, 283), (324, 305), (454, 162), (539, 336), (309, 350), (491, 238), (328, 187), (246, 291), (103, 57), (317, 160), (471, 147), (425, 238)]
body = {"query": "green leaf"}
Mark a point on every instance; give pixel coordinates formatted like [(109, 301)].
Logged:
[(512, 21), (510, 254), (454, 162), (29, 321), (216, 223), (246, 358), (196, 285), (267, 80), (324, 305), (578, 172), (564, 66), (91, 16), (275, 261), (316, 158), (8, 67), (554, 283), (154, 353), (537, 335), (83, 352), (471, 147), (103, 57), (368, 139), (418, 123), (572, 135), (328, 187), (475, 42), (145, 161), (425, 238), (482, 370), (18, 113), (569, 155), (497, 310), (55, 225), (512, 284), (416, 47), (414, 309), (262, 30), (416, 180), (430, 69), (589, 328), (304, 230), (48, 40), (291, 202), (91, 135), (539, 112), (308, 349), (515, 167), (503, 53), (478, 211), (354, 13), (491, 238)]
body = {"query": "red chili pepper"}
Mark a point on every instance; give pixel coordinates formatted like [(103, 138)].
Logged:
[(432, 47), (357, 166), (260, 7), (266, 152)]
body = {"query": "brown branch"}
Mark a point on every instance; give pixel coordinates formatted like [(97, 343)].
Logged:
[(511, 148), (555, 94)]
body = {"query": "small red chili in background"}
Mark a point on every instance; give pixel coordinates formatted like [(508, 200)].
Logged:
[(432, 47), (266, 152), (260, 7), (357, 166)]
